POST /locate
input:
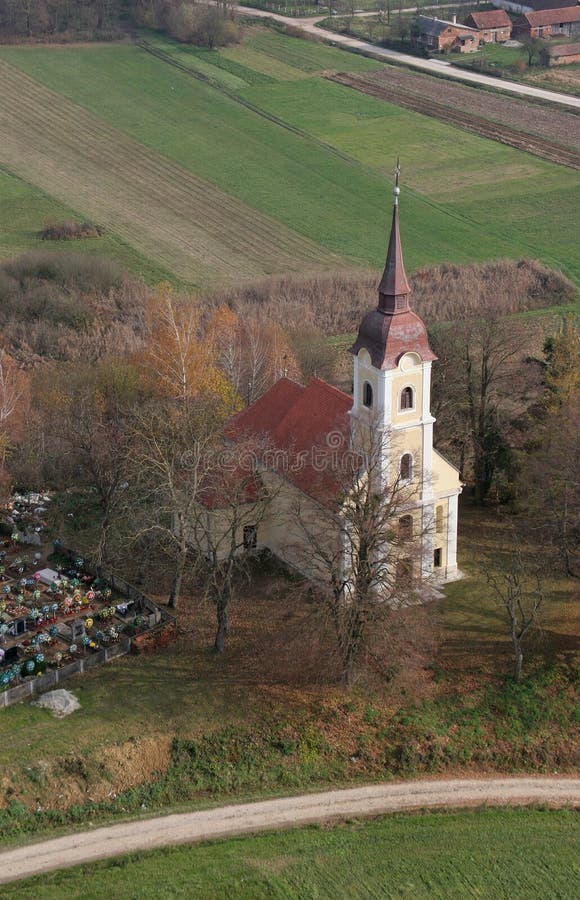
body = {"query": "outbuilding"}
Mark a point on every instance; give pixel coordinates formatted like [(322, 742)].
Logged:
[(560, 55), (548, 22), (494, 25)]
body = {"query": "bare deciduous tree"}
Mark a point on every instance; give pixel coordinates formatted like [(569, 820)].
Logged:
[(171, 448), (201, 499), (226, 534), (549, 480), (364, 546), (519, 590), (85, 417)]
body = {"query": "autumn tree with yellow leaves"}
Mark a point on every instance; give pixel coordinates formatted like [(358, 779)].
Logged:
[(252, 353), (180, 359)]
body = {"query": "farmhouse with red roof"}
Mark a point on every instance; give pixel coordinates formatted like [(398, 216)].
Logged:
[(548, 22)]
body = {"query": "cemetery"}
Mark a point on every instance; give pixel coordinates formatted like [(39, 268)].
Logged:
[(60, 614)]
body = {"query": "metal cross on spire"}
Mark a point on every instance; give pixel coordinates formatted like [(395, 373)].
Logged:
[(396, 189)]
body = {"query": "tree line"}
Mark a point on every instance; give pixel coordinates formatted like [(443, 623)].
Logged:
[(206, 24)]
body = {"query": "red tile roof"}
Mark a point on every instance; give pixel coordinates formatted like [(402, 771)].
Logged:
[(229, 487), (493, 18), (563, 50), (550, 16), (262, 416), (306, 424)]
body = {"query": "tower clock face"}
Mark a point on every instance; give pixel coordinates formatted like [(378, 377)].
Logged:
[(409, 361)]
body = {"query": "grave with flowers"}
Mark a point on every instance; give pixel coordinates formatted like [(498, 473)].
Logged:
[(61, 618)]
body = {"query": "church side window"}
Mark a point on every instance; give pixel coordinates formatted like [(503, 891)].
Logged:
[(439, 519), (406, 467), (407, 398), (406, 528), (367, 395)]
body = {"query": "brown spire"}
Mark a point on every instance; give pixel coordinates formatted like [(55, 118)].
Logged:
[(394, 288)]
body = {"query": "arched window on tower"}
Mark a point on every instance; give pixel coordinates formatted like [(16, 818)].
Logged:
[(406, 467), (407, 398), (367, 395), (406, 528)]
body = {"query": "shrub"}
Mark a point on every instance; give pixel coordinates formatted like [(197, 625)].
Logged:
[(201, 24), (70, 231), (68, 306), (72, 271)]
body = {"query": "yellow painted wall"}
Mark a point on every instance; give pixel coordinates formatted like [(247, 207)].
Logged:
[(440, 537), (282, 532), (445, 476), (408, 441), (401, 379)]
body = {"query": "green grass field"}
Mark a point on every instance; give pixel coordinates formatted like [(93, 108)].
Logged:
[(493, 854), (283, 171)]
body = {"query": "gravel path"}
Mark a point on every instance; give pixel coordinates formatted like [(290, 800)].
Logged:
[(287, 812), (434, 66)]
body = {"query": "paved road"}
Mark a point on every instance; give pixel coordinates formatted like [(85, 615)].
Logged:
[(432, 66), (288, 812)]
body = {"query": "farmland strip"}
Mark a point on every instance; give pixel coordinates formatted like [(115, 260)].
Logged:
[(541, 147), (247, 104), (165, 211)]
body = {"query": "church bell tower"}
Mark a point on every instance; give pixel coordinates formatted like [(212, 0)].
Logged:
[(392, 389)]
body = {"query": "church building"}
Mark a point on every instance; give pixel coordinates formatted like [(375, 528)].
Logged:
[(302, 427)]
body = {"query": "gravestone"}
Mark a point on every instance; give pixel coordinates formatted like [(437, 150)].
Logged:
[(77, 631), (153, 618), (11, 656), (16, 627)]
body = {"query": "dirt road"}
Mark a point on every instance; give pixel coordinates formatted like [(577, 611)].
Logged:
[(288, 812), (433, 66)]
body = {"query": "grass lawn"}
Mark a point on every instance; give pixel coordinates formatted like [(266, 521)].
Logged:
[(496, 55), (490, 853), (321, 198)]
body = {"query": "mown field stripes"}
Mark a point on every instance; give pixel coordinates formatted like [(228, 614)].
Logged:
[(189, 225), (166, 57)]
